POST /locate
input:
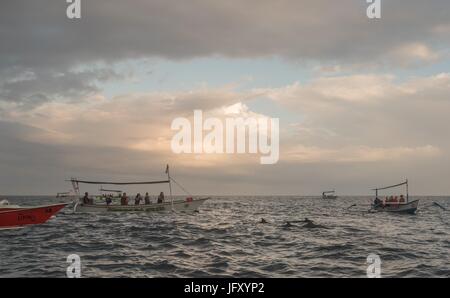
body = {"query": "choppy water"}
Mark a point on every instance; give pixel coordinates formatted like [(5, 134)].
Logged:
[(225, 240)]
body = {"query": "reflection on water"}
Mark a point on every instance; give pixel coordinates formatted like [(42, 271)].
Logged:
[(225, 239)]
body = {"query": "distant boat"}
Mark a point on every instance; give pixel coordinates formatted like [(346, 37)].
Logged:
[(116, 191), (329, 195), (63, 194), (66, 197), (18, 217), (397, 204), (187, 205)]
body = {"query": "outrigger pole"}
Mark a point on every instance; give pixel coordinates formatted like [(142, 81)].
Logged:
[(117, 183)]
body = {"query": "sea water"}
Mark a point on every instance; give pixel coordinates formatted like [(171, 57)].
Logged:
[(226, 239)]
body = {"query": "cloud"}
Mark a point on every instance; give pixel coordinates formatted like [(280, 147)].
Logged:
[(28, 87), (347, 118), (129, 136), (360, 154), (56, 119), (127, 121), (41, 49), (369, 110), (413, 54), (111, 30)]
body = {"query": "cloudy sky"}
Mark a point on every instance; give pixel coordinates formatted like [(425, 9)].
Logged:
[(361, 102)]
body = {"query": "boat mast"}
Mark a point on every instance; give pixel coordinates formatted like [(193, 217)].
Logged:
[(170, 185), (407, 191), (75, 186)]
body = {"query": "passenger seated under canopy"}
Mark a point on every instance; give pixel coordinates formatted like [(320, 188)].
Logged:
[(124, 199), (86, 199), (161, 198)]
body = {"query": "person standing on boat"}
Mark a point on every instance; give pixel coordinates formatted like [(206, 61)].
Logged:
[(377, 202), (395, 202), (147, 199), (86, 199), (124, 199), (137, 199), (109, 200), (161, 198)]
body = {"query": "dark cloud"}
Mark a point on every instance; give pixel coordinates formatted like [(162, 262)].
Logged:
[(32, 87), (37, 37), (37, 33)]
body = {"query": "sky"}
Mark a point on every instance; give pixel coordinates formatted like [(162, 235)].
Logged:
[(361, 102)]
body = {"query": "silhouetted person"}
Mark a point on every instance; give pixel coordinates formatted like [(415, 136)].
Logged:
[(124, 199), (86, 198), (137, 199), (287, 225), (161, 198), (377, 202), (109, 200)]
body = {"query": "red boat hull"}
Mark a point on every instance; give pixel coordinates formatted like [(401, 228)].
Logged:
[(28, 216)]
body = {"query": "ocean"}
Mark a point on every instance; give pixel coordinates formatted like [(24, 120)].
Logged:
[(226, 239)]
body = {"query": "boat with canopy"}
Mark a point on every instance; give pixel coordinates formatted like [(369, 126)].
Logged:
[(329, 195), (189, 204), (394, 204)]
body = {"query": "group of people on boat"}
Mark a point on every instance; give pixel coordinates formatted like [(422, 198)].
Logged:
[(124, 200), (138, 198), (392, 200)]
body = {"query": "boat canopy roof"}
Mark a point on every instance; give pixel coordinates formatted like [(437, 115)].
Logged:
[(118, 183), (391, 186)]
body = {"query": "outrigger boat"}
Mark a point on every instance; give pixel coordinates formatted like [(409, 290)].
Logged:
[(329, 195), (396, 206), (187, 205), (15, 217)]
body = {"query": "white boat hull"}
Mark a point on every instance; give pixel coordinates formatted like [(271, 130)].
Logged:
[(410, 207), (329, 197), (177, 206)]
